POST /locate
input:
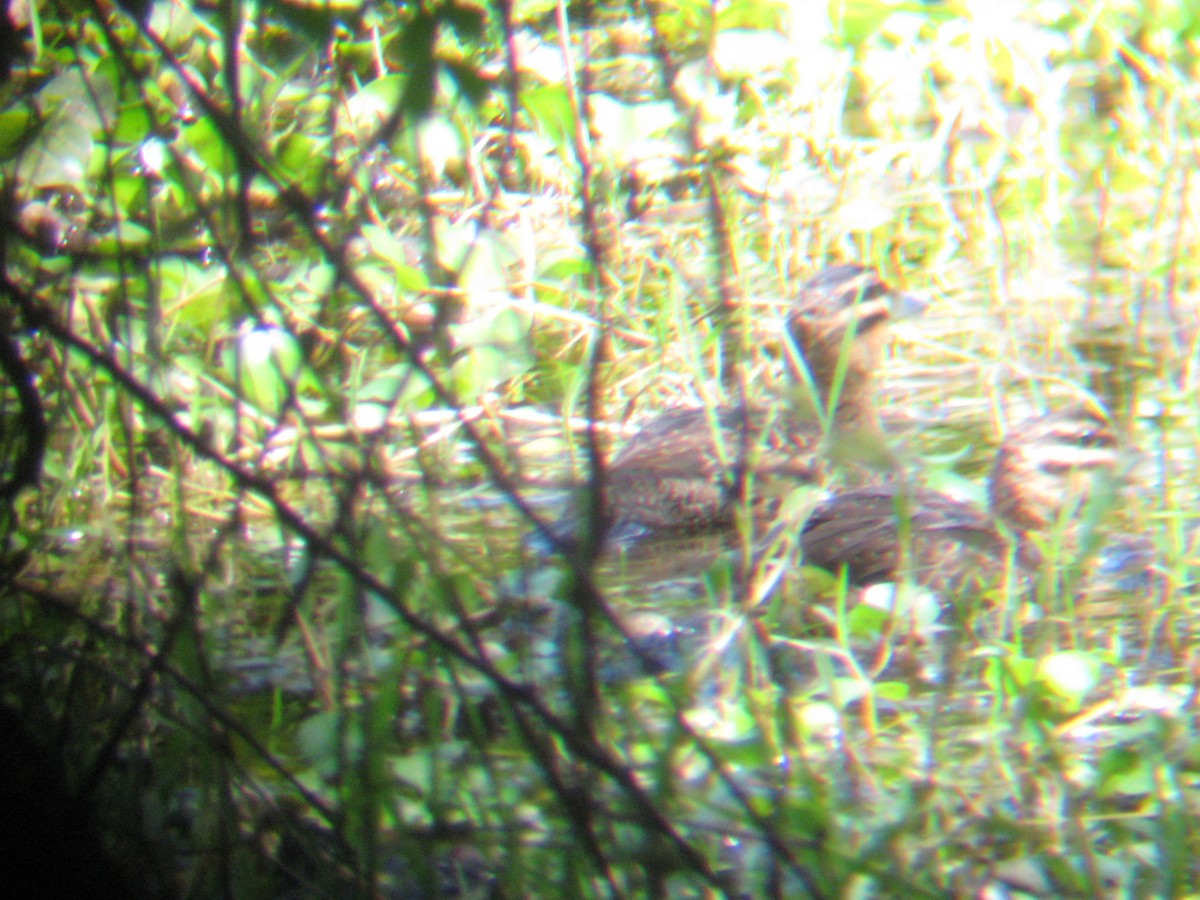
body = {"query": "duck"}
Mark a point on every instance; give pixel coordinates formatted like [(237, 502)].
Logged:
[(687, 470), (1040, 479)]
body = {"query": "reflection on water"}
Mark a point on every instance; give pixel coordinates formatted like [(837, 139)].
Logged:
[(671, 563)]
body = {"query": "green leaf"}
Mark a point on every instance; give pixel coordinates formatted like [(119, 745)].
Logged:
[(756, 14), (118, 240), (528, 11), (549, 109), (867, 621), (374, 104), (1124, 772), (895, 691), (17, 127), (206, 143), (131, 192), (303, 158), (388, 247), (563, 264), (194, 295), (134, 124)]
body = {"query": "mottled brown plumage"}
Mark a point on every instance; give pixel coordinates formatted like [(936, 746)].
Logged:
[(1046, 466), (947, 541), (682, 471), (679, 472), (1042, 472)]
